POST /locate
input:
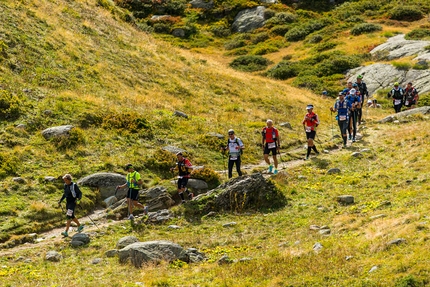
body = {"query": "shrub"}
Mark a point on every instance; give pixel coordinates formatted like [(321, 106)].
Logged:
[(402, 66), (300, 32), (336, 64), (365, 28), (264, 49), (269, 13), (127, 121), (405, 13), (282, 71), (418, 34), (208, 175), (279, 30), (161, 28), (234, 43), (421, 65), (354, 19), (315, 39), (9, 164), (250, 63), (10, 106), (325, 46), (424, 100), (260, 37), (160, 161), (90, 119), (220, 31), (75, 137), (281, 19)]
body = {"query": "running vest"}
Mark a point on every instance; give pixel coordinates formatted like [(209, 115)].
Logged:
[(268, 138), (134, 176), (182, 168), (397, 94)]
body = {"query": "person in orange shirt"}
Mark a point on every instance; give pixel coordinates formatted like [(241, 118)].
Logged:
[(310, 123)]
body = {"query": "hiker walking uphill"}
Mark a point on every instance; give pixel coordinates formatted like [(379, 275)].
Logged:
[(397, 95), (133, 182), (310, 123), (235, 148), (354, 100), (411, 96), (342, 107), (271, 144), (184, 168), (73, 195), (364, 93)]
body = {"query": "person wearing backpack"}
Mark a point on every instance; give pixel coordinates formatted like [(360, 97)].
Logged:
[(364, 93), (354, 99), (342, 108), (411, 96), (272, 144), (184, 167), (133, 182), (235, 150), (310, 123), (397, 94), (73, 195)]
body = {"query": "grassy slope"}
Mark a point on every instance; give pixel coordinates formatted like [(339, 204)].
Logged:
[(103, 64)]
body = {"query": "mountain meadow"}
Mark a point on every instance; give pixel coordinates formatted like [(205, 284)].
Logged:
[(131, 84)]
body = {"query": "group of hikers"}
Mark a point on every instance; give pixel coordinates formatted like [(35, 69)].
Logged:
[(348, 107)]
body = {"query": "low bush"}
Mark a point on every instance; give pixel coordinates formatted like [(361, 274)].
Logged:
[(10, 106), (365, 28), (264, 49), (162, 28), (220, 31), (131, 122), (406, 13), (75, 137), (160, 161), (250, 63), (259, 37), (279, 30), (325, 46), (315, 39), (208, 175), (421, 65), (235, 43), (402, 66), (298, 33), (418, 34), (284, 70)]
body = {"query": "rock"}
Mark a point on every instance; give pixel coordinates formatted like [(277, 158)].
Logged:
[(325, 231), (111, 253), (152, 251), (173, 227), (397, 241), (365, 150), (377, 216), (249, 19), (21, 126), (398, 47), (202, 4), (230, 224), (317, 247), (57, 131), (333, 171), (153, 192), (173, 149), (356, 154), (347, 258), (286, 125), (160, 17), (80, 239), (181, 114), (197, 184), (345, 199), (314, 227), (302, 177), (50, 179), (213, 134), (224, 260), (373, 269), (195, 256), (47, 112), (106, 182), (160, 216), (96, 261), (180, 33), (125, 241), (245, 259), (243, 193), (161, 202), (53, 256), (19, 180)]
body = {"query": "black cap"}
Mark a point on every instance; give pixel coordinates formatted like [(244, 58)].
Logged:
[(128, 166)]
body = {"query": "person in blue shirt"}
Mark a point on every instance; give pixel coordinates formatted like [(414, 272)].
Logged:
[(354, 99), (342, 108)]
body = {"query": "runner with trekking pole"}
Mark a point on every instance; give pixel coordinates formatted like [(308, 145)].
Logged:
[(342, 108), (184, 168), (235, 149), (73, 195)]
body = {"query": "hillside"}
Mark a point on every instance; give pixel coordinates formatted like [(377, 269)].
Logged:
[(78, 63)]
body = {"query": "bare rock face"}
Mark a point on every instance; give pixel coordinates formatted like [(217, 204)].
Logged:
[(249, 19), (106, 182)]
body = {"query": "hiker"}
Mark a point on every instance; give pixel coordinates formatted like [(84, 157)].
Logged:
[(364, 93), (397, 95), (73, 195), (235, 148), (354, 100), (133, 182), (411, 96), (310, 123), (184, 168), (272, 144), (342, 107), (375, 104)]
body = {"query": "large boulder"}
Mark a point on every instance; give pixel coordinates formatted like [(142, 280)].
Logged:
[(398, 47), (250, 192), (202, 4), (422, 110), (249, 19), (106, 182), (57, 131)]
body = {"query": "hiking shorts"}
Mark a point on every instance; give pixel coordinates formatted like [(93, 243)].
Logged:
[(182, 182), (267, 150), (410, 103), (311, 135), (133, 194), (70, 210)]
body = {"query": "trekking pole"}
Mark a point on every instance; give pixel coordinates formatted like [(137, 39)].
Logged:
[(90, 218), (331, 117), (225, 170)]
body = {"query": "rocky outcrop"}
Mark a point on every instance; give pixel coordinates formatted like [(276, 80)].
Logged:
[(249, 19), (422, 110), (106, 183), (398, 47)]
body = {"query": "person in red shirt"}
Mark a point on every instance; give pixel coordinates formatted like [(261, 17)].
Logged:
[(272, 144), (310, 122), (184, 168)]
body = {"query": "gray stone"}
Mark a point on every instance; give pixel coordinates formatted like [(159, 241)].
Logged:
[(96, 261), (140, 253), (173, 227), (347, 258), (80, 239), (377, 216), (194, 255), (365, 150), (173, 149), (245, 259), (125, 241), (333, 171), (249, 19), (217, 135), (202, 4), (356, 154), (178, 32), (397, 241), (153, 192), (398, 47), (161, 202), (47, 112), (106, 183), (21, 126), (160, 217), (197, 184), (224, 260), (110, 200), (57, 131), (314, 227), (50, 179), (111, 253), (345, 199), (317, 247), (19, 180), (230, 224), (286, 125), (181, 114), (325, 231), (160, 17), (302, 177), (373, 269), (53, 256), (269, 1)]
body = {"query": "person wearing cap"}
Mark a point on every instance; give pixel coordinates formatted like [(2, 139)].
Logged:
[(133, 182), (271, 144), (364, 93), (411, 96), (342, 108), (235, 147), (310, 123), (184, 167), (355, 101), (397, 94), (73, 195)]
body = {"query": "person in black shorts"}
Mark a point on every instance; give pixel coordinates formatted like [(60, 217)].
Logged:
[(184, 168), (310, 123)]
